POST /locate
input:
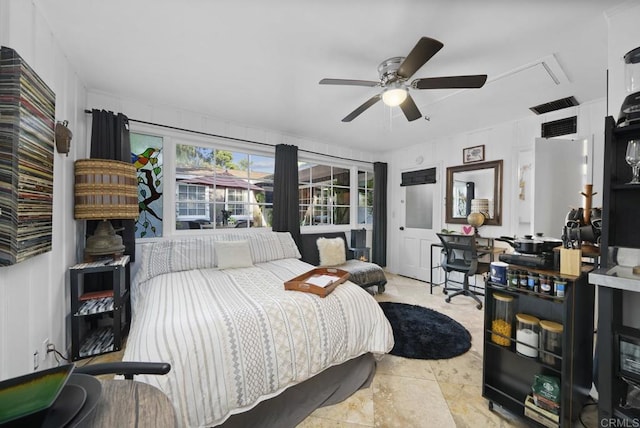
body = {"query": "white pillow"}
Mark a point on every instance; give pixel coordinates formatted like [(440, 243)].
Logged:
[(233, 254), (177, 255), (331, 251)]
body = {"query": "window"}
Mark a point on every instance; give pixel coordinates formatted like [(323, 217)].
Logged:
[(222, 189), (218, 188), (365, 197), (324, 193), (146, 155)]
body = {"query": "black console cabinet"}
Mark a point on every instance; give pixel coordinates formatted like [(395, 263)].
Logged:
[(99, 318), (508, 376)]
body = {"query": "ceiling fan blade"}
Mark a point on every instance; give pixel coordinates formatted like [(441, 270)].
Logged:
[(369, 83), (371, 101), (421, 53), (450, 82), (410, 109)]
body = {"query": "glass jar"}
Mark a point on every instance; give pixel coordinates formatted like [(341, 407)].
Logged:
[(560, 285), (551, 341), (523, 279), (546, 286), (502, 319), (512, 278), (632, 71), (533, 282), (527, 335)]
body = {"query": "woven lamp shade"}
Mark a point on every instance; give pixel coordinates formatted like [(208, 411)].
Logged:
[(105, 189)]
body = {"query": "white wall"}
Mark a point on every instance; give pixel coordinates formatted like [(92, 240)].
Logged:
[(194, 121), (504, 141), (34, 296)]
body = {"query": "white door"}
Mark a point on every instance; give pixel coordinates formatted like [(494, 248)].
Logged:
[(419, 214)]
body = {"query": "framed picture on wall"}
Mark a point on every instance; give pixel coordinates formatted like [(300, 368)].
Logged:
[(473, 154)]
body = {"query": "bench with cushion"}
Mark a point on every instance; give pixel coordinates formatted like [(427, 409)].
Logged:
[(364, 274)]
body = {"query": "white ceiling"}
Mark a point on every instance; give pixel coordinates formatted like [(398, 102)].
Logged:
[(258, 63)]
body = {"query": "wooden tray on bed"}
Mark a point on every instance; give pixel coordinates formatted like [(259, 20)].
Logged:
[(320, 281)]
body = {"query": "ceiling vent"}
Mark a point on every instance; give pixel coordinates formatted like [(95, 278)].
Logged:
[(554, 105), (560, 127)]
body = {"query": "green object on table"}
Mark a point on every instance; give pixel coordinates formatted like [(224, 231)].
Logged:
[(31, 393)]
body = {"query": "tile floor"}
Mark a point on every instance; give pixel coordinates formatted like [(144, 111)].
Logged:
[(419, 393)]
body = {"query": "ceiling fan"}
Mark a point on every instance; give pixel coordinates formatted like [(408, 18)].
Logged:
[(394, 75)]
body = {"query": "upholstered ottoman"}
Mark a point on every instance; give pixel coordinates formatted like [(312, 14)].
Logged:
[(364, 274)]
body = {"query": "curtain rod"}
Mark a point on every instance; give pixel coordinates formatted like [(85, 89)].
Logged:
[(233, 138)]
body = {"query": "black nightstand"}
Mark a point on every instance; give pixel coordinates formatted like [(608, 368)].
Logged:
[(99, 318), (360, 253)]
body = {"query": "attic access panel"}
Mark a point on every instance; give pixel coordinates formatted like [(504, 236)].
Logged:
[(27, 108)]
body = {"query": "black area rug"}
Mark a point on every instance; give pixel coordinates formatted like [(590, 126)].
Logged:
[(425, 334)]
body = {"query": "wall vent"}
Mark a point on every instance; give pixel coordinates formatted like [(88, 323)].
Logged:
[(560, 127), (554, 105), (423, 176)]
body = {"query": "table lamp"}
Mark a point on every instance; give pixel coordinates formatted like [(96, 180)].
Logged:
[(476, 220), (105, 190), (479, 213)]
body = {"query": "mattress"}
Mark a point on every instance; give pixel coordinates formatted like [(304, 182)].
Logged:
[(235, 337)]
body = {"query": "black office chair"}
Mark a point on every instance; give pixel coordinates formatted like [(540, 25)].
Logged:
[(461, 255)]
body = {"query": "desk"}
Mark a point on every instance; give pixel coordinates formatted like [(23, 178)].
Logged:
[(483, 250), (128, 403)]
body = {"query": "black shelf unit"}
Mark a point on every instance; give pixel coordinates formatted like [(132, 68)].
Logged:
[(619, 217), (99, 318), (507, 376), (620, 200)]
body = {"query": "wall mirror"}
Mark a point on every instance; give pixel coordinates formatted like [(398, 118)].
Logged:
[(474, 181)]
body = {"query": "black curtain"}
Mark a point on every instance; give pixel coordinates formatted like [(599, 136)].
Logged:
[(110, 140), (379, 239), (286, 206)]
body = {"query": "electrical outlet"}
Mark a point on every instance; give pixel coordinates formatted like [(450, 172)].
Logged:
[(45, 348), (36, 361)]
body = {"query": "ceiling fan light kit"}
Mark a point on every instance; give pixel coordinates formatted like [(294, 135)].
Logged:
[(393, 97), (394, 74)]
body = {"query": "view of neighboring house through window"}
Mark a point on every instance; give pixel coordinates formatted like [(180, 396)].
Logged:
[(222, 189), (365, 197), (146, 155), (324, 194), (218, 188)]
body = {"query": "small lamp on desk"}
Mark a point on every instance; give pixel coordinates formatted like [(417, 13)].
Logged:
[(105, 190), (476, 220), (479, 213)]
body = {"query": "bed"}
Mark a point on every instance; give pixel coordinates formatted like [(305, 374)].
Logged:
[(244, 351)]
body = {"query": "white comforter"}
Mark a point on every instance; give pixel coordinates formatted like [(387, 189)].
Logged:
[(235, 337)]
